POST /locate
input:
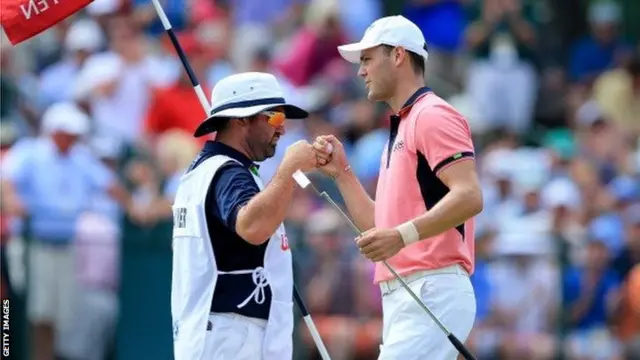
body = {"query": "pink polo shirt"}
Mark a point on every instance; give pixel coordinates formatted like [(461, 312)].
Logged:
[(431, 135)]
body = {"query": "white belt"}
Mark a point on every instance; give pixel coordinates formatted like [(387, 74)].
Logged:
[(259, 278), (238, 318), (393, 284)]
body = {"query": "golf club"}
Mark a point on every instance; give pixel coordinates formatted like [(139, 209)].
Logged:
[(304, 181)]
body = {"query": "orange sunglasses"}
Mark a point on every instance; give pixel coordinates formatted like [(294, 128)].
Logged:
[(276, 118)]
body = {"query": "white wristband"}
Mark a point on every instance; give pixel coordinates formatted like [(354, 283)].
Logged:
[(408, 232)]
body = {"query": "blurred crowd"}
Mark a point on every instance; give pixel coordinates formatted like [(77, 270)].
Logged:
[(96, 122)]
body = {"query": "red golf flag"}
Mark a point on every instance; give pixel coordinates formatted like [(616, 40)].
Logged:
[(23, 19)]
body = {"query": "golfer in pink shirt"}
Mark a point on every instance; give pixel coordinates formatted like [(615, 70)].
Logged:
[(428, 193)]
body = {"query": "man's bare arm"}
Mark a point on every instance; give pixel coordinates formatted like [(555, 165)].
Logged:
[(463, 201), (11, 202), (261, 216), (359, 204)]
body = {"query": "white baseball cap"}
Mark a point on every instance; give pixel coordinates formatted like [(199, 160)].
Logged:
[(588, 113), (391, 30), (604, 12), (243, 95), (561, 192), (84, 34), (99, 69), (103, 7), (65, 117), (106, 147)]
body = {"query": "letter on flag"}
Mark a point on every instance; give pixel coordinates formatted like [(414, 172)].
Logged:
[(24, 19)]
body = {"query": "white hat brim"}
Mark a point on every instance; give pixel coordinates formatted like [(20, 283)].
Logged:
[(212, 123), (351, 52)]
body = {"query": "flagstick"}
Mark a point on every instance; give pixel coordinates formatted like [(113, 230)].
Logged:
[(183, 58), (324, 354)]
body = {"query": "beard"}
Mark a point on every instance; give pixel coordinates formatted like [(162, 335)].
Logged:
[(271, 148), (267, 149), (270, 151)]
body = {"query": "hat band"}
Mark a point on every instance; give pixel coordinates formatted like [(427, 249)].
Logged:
[(249, 103)]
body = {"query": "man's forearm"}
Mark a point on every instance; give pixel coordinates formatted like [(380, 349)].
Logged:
[(359, 204), (454, 209), (523, 30), (578, 310), (477, 33), (120, 195), (261, 216), (10, 201)]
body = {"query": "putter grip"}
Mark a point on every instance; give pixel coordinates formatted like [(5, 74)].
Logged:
[(461, 348)]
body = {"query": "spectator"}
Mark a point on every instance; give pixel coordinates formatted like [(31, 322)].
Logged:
[(368, 136), (344, 307), (562, 197), (499, 194), (174, 151), (522, 296), (145, 16), (315, 44), (597, 141), (630, 254), (117, 85), (145, 191), (97, 262), (483, 339), (590, 290), (252, 22), (443, 22), (357, 15), (7, 138), (599, 50), (18, 87), (562, 148), (617, 92), (177, 106), (84, 38), (502, 79), (56, 176), (629, 316)]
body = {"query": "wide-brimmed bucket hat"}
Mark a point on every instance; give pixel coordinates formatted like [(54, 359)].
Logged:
[(244, 95)]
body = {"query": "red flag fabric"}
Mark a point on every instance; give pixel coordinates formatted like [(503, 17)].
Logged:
[(24, 19)]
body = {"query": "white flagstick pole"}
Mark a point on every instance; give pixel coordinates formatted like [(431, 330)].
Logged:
[(174, 40), (205, 105)]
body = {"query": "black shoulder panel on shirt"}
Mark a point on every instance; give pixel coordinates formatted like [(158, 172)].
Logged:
[(431, 187)]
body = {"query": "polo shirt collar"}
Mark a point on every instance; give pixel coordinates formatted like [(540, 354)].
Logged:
[(414, 98), (218, 148)]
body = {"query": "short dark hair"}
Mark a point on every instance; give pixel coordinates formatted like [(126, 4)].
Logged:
[(417, 62), (223, 123)]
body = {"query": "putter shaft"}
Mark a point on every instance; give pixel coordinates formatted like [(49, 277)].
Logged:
[(393, 272)]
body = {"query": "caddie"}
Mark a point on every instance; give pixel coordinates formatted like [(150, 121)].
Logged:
[(232, 282)]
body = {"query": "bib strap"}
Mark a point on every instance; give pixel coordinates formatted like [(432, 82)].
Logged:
[(259, 279)]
